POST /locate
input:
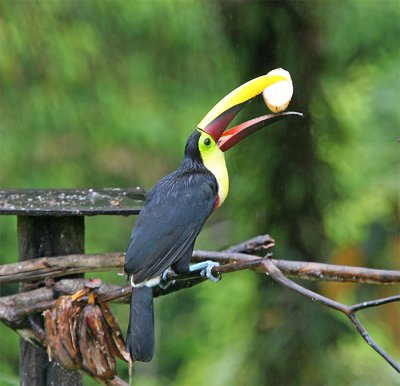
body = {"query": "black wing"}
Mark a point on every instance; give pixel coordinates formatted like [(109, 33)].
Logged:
[(167, 227)]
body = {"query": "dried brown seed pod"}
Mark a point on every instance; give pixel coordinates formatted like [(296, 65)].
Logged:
[(50, 326), (62, 340), (96, 356), (86, 337), (117, 343)]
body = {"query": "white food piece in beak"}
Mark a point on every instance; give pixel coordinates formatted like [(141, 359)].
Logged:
[(278, 96)]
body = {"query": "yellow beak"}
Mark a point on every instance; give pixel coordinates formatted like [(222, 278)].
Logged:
[(222, 114)]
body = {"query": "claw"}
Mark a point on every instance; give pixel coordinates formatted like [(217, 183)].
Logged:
[(164, 281), (208, 272), (205, 269)]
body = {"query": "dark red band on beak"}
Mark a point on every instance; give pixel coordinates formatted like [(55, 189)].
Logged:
[(219, 124)]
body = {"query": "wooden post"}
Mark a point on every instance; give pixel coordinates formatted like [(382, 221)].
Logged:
[(39, 237), (51, 223)]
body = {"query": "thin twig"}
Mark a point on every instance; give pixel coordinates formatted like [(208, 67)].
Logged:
[(374, 303), (350, 311)]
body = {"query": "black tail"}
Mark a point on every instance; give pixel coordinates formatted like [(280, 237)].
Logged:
[(140, 335)]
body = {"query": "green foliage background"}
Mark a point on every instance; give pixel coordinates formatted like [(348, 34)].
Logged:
[(105, 93)]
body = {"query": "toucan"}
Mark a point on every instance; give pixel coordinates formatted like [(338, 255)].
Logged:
[(177, 207)]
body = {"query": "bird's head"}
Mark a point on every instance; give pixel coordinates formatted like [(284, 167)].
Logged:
[(211, 139)]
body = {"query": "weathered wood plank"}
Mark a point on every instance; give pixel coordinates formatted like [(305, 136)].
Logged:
[(71, 202)]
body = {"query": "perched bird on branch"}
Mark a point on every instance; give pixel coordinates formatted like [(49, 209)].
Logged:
[(177, 207)]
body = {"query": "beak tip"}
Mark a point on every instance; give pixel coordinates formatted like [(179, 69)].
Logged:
[(295, 113)]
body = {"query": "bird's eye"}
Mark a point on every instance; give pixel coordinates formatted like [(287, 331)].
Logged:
[(207, 142)]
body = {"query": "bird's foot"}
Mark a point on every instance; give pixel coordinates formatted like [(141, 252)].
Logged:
[(164, 281), (205, 268)]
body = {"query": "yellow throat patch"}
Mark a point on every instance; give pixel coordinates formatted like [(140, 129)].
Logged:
[(214, 160)]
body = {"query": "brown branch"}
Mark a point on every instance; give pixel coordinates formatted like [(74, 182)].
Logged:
[(14, 308), (72, 264), (310, 270), (17, 307), (44, 267), (350, 311), (341, 273), (53, 267)]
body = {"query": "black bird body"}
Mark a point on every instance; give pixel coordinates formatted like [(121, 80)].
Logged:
[(173, 215), (164, 235)]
